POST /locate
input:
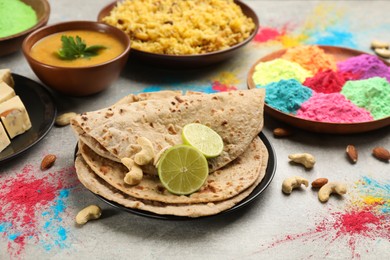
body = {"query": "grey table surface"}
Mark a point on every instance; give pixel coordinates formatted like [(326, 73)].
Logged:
[(274, 226)]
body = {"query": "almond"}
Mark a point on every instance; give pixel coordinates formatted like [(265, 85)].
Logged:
[(48, 161), (318, 183), (352, 153), (281, 132), (381, 153)]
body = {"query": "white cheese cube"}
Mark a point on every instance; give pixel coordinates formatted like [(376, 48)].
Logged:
[(6, 76), (4, 140), (6, 92), (14, 116)]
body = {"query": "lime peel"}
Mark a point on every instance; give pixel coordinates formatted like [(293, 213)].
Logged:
[(182, 169), (203, 138)]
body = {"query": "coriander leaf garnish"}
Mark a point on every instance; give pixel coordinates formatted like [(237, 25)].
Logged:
[(76, 48)]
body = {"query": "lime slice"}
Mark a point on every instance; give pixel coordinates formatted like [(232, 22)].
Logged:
[(182, 169), (203, 138)]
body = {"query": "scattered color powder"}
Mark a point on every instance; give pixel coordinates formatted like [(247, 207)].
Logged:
[(372, 94), (375, 194), (326, 25), (365, 65), (267, 34), (333, 36), (311, 58), (224, 81), (51, 226), (334, 108), (213, 87), (286, 95), (15, 17), (219, 87), (360, 227), (327, 81), (22, 199), (226, 78), (278, 69)]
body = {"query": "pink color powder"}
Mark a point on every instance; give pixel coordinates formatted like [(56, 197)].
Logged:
[(333, 108)]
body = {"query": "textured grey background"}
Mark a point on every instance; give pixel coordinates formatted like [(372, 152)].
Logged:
[(247, 233)]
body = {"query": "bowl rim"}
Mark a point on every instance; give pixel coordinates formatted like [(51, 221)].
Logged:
[(255, 19), (26, 51), (382, 122), (42, 21)]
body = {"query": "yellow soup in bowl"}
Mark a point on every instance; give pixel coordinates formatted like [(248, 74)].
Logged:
[(46, 50)]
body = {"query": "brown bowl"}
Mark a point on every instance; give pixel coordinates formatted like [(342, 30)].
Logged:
[(13, 43), (320, 127), (189, 61), (78, 81)]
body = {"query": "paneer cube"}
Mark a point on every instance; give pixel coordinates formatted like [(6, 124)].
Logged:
[(4, 140), (6, 92), (6, 76), (14, 116)]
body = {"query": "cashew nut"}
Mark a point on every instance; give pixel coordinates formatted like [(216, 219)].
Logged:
[(329, 188), (88, 213), (293, 182), (384, 53), (305, 159), (146, 154), (135, 174), (375, 44)]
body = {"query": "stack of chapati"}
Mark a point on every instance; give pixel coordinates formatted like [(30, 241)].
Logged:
[(108, 135)]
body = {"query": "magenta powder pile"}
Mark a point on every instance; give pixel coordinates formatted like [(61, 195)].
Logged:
[(366, 66), (333, 108)]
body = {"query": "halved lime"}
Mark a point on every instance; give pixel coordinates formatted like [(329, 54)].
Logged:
[(203, 138), (182, 169)]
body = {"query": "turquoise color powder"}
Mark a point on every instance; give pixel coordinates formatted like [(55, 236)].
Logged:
[(5, 226), (333, 36), (286, 95), (13, 236), (15, 17), (372, 94), (58, 234), (199, 88)]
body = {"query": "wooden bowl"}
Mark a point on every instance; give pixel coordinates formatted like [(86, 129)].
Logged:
[(189, 61), (78, 81), (13, 43), (340, 54)]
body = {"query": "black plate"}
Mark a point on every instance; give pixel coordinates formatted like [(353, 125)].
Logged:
[(269, 174), (42, 112)]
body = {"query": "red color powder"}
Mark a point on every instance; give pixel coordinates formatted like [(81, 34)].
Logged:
[(327, 81), (357, 222), (218, 86), (267, 34)]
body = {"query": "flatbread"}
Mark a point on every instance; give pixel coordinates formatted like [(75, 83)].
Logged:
[(236, 115), (98, 186), (220, 185)]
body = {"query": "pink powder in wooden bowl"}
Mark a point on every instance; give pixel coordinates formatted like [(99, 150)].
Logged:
[(333, 108)]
